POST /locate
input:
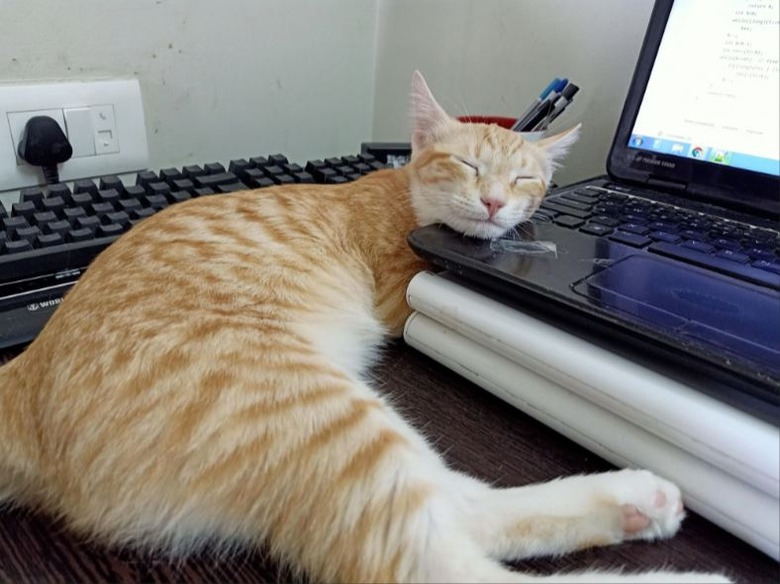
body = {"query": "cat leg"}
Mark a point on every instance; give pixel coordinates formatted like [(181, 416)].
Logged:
[(575, 513)]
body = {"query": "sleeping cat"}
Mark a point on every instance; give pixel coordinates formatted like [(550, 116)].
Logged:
[(205, 381)]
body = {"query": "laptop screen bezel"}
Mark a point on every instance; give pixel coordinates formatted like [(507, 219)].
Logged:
[(724, 185)]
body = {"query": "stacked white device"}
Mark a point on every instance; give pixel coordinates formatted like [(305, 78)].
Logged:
[(726, 462)]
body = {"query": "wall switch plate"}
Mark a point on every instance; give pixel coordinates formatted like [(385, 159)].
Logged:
[(104, 122)]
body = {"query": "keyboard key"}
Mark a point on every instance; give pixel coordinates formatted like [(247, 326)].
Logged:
[(213, 168), (192, 171), (694, 234), (135, 192), (758, 253), (109, 230), (85, 186), (71, 213), (61, 227), (634, 228), (156, 202), (303, 177), (734, 256), (111, 183), (179, 197), (49, 239), (12, 224), (43, 218), (23, 209), (169, 175), (562, 200), (183, 184), (87, 223), (701, 246), (17, 246), (714, 262), (283, 179), (82, 200), (769, 266), (28, 233), (568, 221), (33, 195), (604, 220), (632, 239), (214, 180), (59, 190), (724, 243), (554, 206), (54, 204), (231, 188), (146, 177), (596, 229), (663, 236), (81, 234), (278, 159)]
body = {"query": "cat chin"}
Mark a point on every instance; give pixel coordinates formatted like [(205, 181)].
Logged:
[(479, 229)]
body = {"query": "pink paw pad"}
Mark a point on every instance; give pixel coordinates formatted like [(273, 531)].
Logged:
[(633, 519)]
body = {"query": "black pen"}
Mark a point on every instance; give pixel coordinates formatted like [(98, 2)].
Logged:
[(561, 103), (543, 101)]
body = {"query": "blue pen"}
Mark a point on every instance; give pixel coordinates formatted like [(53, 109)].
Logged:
[(545, 92)]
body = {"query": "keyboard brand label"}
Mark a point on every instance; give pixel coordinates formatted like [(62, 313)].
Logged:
[(36, 306)]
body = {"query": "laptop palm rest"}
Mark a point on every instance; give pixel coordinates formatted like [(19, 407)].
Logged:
[(698, 306)]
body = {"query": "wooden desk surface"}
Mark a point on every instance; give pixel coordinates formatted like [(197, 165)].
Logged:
[(477, 433)]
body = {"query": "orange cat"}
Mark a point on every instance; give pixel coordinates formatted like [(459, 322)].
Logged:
[(205, 380)]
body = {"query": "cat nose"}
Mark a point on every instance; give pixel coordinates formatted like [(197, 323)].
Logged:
[(493, 205)]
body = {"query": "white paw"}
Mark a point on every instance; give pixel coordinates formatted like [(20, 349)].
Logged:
[(651, 507)]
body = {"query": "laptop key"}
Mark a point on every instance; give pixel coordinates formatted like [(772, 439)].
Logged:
[(734, 256), (715, 262), (632, 239), (596, 229), (698, 245), (553, 206), (664, 236), (567, 221), (767, 265)]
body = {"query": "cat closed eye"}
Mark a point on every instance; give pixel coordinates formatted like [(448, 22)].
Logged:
[(471, 165), (522, 179)]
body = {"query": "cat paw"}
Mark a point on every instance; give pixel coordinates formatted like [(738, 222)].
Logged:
[(650, 507)]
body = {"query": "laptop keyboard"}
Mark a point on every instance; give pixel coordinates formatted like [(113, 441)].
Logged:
[(737, 249)]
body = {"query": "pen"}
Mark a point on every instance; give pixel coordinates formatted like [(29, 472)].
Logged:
[(542, 95), (554, 87), (561, 103)]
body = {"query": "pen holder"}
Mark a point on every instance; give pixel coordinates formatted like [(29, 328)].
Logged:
[(504, 122)]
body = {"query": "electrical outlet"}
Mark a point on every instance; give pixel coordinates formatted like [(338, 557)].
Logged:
[(104, 122)]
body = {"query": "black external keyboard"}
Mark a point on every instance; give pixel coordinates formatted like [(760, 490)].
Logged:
[(51, 235), (738, 249)]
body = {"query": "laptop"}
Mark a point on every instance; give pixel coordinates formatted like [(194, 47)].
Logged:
[(674, 254)]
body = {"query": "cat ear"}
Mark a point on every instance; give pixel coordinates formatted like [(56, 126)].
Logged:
[(428, 114), (558, 145)]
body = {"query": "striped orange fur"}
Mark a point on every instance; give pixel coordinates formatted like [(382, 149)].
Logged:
[(205, 381)]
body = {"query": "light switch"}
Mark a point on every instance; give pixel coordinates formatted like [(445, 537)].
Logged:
[(104, 126), (81, 134)]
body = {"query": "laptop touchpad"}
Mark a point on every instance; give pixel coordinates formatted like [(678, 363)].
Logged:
[(673, 298)]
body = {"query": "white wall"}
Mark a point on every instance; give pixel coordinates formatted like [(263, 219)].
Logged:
[(494, 56), (220, 80), (313, 78)]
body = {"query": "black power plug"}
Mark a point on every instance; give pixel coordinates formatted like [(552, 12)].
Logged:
[(44, 144)]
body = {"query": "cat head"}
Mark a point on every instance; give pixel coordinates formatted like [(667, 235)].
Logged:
[(479, 179)]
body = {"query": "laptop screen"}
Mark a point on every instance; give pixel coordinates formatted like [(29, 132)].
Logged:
[(714, 88)]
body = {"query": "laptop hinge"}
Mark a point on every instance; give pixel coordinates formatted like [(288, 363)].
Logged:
[(667, 184)]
